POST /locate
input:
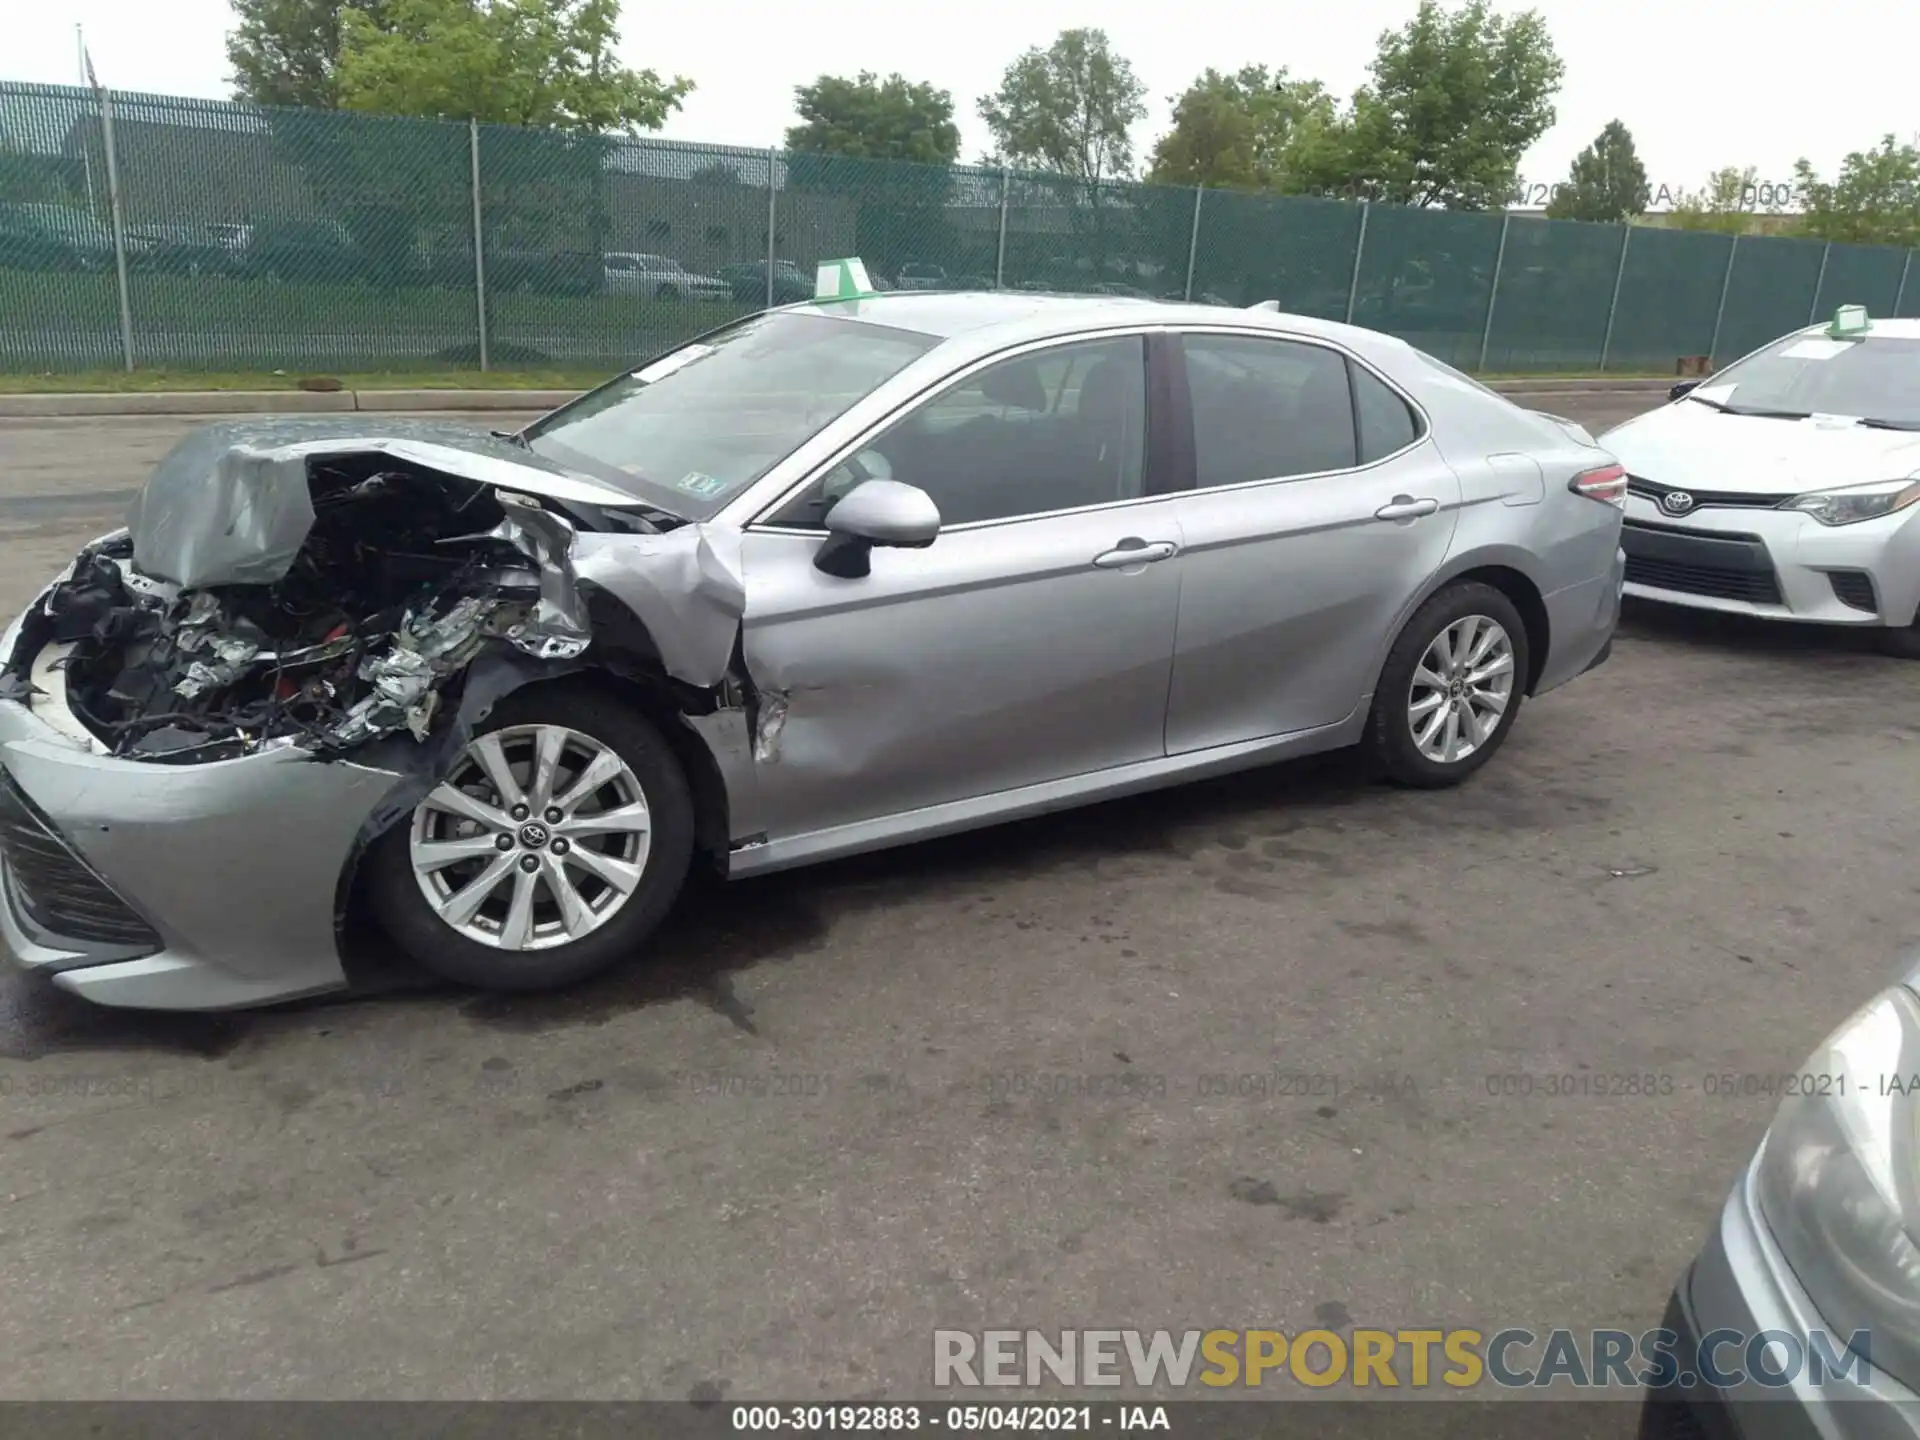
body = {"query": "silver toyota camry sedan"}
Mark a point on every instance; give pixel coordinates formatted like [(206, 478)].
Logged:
[(831, 578)]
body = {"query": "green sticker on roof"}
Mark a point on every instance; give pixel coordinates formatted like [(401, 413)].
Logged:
[(842, 280)]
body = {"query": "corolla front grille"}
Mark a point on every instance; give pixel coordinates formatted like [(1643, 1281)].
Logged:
[(52, 887), (1712, 580), (1699, 562)]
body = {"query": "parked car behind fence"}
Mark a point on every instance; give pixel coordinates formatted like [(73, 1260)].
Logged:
[(662, 277)]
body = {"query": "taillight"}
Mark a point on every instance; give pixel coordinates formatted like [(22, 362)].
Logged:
[(1608, 485)]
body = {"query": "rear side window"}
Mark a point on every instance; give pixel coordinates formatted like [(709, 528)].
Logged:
[(1267, 409), (1386, 422)]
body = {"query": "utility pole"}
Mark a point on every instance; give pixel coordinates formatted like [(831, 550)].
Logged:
[(86, 155)]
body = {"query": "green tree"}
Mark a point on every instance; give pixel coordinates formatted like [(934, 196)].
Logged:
[(1252, 130), (875, 119), (1068, 110), (1726, 204), (1454, 100), (513, 62), (285, 52), (1607, 182), (1874, 201)]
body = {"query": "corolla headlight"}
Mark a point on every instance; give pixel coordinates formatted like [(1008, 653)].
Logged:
[(1838, 1182), (1854, 503)]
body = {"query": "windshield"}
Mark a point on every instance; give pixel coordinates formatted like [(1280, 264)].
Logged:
[(694, 428), (1871, 379)]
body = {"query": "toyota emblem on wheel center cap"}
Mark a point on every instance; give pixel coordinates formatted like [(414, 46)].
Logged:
[(533, 835), (1676, 502)]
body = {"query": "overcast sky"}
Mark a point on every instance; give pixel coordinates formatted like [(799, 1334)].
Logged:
[(1701, 83)]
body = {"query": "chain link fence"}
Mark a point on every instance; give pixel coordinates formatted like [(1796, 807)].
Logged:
[(149, 231)]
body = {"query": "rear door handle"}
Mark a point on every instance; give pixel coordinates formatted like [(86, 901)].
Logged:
[(1405, 507), (1135, 551)]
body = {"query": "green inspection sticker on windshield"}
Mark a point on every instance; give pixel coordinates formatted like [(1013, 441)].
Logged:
[(694, 483)]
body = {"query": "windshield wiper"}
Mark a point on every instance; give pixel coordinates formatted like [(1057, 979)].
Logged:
[(1874, 422), (512, 437), (1752, 412)]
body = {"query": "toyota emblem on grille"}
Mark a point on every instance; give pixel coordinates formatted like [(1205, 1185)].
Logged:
[(1676, 502)]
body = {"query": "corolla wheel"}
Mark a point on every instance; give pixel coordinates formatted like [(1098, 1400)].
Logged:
[(538, 837), (1451, 688), (1902, 641), (554, 846)]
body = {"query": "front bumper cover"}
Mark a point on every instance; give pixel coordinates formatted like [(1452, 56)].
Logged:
[(1741, 1282), (234, 864), (1775, 564)]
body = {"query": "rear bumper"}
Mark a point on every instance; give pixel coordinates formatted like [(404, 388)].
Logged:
[(234, 867), (1581, 620)]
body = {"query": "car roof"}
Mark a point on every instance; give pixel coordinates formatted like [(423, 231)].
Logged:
[(993, 318), (1879, 329)]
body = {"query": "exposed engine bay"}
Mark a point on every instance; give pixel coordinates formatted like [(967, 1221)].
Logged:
[(316, 595)]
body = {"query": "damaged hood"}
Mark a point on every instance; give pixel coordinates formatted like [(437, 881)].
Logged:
[(229, 505)]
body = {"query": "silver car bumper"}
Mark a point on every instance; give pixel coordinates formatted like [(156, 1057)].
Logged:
[(1581, 620), (1777, 564), (175, 887), (1741, 1282)]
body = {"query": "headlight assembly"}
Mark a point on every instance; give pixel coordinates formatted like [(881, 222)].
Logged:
[(1855, 503), (1838, 1183)]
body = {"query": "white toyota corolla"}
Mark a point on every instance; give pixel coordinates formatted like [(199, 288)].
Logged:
[(1788, 484)]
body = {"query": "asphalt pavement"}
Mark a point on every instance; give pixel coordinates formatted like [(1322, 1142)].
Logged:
[(1272, 1051)]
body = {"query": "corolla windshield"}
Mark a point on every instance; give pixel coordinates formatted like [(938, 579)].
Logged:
[(1876, 380)]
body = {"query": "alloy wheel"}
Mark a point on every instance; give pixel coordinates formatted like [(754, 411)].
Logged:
[(538, 837), (1461, 689)]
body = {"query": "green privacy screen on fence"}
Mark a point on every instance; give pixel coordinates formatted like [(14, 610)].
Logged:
[(314, 241)]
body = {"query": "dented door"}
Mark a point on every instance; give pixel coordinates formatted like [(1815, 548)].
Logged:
[(1003, 655)]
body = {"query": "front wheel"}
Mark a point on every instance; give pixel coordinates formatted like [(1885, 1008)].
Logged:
[(1451, 688), (551, 851), (666, 292), (1902, 641)]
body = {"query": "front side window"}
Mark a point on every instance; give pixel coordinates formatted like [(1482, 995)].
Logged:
[(1058, 429), (1267, 409), (694, 428), (1870, 379)]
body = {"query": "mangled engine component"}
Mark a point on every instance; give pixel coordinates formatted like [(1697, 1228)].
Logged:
[(326, 613)]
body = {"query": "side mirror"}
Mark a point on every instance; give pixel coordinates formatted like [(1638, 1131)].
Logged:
[(878, 512), (1681, 389)]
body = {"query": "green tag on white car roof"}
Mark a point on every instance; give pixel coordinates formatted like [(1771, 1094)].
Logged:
[(1850, 322), (842, 280)]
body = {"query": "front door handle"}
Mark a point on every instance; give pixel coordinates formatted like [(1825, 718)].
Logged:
[(1405, 507), (1135, 551)]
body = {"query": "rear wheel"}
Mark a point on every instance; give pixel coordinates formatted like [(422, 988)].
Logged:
[(1451, 688), (666, 292), (550, 852)]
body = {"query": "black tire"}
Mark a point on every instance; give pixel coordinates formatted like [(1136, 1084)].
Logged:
[(1902, 641), (666, 292), (401, 907), (1390, 741)]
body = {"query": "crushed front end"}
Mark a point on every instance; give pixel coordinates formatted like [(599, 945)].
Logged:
[(208, 716)]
